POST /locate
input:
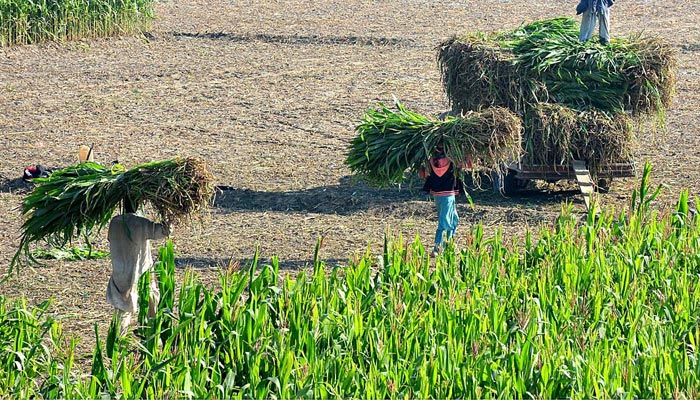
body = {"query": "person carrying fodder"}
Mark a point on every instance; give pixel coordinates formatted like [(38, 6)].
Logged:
[(80, 200), (389, 143), (442, 183), (593, 10), (130, 236)]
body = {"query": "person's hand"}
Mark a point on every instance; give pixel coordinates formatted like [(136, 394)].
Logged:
[(466, 164), (168, 228), (422, 173)]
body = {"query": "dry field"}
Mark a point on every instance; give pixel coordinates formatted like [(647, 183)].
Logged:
[(268, 92)]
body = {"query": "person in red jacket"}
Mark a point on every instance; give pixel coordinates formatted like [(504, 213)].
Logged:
[(442, 183)]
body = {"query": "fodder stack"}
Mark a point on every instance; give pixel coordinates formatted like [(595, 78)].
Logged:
[(390, 142), (545, 62), (568, 93)]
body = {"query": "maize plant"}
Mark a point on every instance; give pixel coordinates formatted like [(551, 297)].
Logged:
[(601, 308), (26, 22)]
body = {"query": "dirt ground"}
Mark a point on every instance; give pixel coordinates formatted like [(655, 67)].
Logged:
[(268, 93)]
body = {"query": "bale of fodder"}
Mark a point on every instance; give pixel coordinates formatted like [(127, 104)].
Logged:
[(556, 135), (175, 188), (545, 62), (389, 143), (80, 199), (478, 73)]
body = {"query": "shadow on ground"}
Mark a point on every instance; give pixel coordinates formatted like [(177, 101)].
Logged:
[(301, 39), (16, 185), (244, 264), (346, 198), (351, 196)]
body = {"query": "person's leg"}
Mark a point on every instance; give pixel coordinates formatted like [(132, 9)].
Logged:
[(452, 217), (154, 298), (604, 22), (587, 25), (443, 209), (124, 320)]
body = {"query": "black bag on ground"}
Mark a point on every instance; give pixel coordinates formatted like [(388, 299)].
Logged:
[(37, 171)]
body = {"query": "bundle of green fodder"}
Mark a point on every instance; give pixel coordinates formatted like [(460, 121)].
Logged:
[(80, 199), (545, 62), (557, 134), (391, 142)]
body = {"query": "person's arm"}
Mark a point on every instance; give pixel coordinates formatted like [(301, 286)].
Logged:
[(422, 173), (581, 7), (155, 231), (466, 164)]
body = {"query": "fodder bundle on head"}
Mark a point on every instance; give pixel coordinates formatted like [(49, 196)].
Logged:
[(545, 62), (80, 199), (389, 143), (556, 135), (174, 188)]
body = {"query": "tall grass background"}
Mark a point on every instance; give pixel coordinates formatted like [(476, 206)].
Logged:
[(602, 307), (34, 21)]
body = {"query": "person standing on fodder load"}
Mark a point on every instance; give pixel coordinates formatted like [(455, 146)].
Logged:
[(593, 10), (130, 238), (442, 183)]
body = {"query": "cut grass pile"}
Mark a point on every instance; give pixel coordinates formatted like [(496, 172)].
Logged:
[(72, 253), (594, 87), (566, 134), (545, 62)]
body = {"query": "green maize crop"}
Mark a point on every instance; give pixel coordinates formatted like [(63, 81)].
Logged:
[(599, 308), (25, 21)]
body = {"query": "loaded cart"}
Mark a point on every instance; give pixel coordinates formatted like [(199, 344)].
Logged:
[(529, 103), (582, 105), (517, 175)]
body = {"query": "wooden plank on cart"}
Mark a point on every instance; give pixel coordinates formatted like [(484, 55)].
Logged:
[(583, 177)]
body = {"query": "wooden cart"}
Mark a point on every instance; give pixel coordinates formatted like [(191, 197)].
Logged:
[(518, 174)]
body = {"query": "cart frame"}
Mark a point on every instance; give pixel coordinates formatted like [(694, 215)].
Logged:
[(517, 174)]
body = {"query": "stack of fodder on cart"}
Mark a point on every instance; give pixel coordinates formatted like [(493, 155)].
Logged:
[(576, 100)]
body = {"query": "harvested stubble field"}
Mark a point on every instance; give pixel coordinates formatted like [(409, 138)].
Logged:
[(269, 93)]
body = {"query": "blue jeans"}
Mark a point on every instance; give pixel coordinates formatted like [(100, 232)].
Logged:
[(588, 24), (447, 220)]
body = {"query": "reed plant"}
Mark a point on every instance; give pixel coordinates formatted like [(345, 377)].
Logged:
[(26, 22)]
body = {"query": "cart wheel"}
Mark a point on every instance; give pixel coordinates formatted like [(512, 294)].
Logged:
[(603, 185)]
